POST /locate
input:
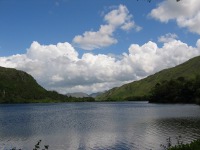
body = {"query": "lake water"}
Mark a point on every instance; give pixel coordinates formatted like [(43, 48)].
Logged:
[(97, 126)]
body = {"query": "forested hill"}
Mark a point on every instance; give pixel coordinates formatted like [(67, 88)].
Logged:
[(19, 87), (138, 90)]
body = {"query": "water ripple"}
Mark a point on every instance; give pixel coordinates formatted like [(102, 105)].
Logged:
[(97, 126)]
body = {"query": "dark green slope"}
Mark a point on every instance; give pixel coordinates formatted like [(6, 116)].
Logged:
[(140, 89), (19, 87), (16, 86)]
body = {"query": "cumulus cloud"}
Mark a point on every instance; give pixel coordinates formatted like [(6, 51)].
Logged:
[(59, 67), (186, 13), (94, 40), (167, 38), (117, 18)]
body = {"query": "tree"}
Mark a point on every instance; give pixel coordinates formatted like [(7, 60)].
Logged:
[(178, 90)]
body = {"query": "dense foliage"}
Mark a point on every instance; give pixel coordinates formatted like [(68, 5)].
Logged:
[(141, 89), (178, 90), (195, 145), (19, 87)]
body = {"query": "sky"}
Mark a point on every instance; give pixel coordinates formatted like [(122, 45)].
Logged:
[(94, 45)]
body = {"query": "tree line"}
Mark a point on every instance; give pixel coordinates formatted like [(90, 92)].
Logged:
[(180, 90)]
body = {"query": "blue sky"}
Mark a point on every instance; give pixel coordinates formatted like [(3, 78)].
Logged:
[(53, 21), (98, 32)]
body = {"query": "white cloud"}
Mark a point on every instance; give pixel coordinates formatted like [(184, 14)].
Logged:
[(167, 38), (186, 13), (198, 43), (94, 40), (129, 25), (120, 17), (58, 67), (117, 18), (40, 52)]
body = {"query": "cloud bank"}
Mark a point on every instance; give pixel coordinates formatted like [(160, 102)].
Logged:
[(117, 18), (186, 13), (59, 67)]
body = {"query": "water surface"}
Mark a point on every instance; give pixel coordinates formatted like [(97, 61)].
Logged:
[(97, 126)]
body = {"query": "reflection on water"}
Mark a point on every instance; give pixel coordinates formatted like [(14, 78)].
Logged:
[(97, 126)]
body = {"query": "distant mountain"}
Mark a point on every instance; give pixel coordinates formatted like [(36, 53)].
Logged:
[(96, 94), (19, 87), (81, 94), (78, 94), (138, 90)]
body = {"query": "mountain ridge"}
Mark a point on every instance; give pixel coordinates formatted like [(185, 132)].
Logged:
[(140, 89), (78, 94), (17, 86)]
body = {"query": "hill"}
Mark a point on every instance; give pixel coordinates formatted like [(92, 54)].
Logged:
[(138, 90), (19, 87)]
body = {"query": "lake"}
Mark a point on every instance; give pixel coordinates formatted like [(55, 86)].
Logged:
[(97, 126)]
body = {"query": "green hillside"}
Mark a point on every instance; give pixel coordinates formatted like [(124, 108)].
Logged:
[(138, 90), (19, 87)]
